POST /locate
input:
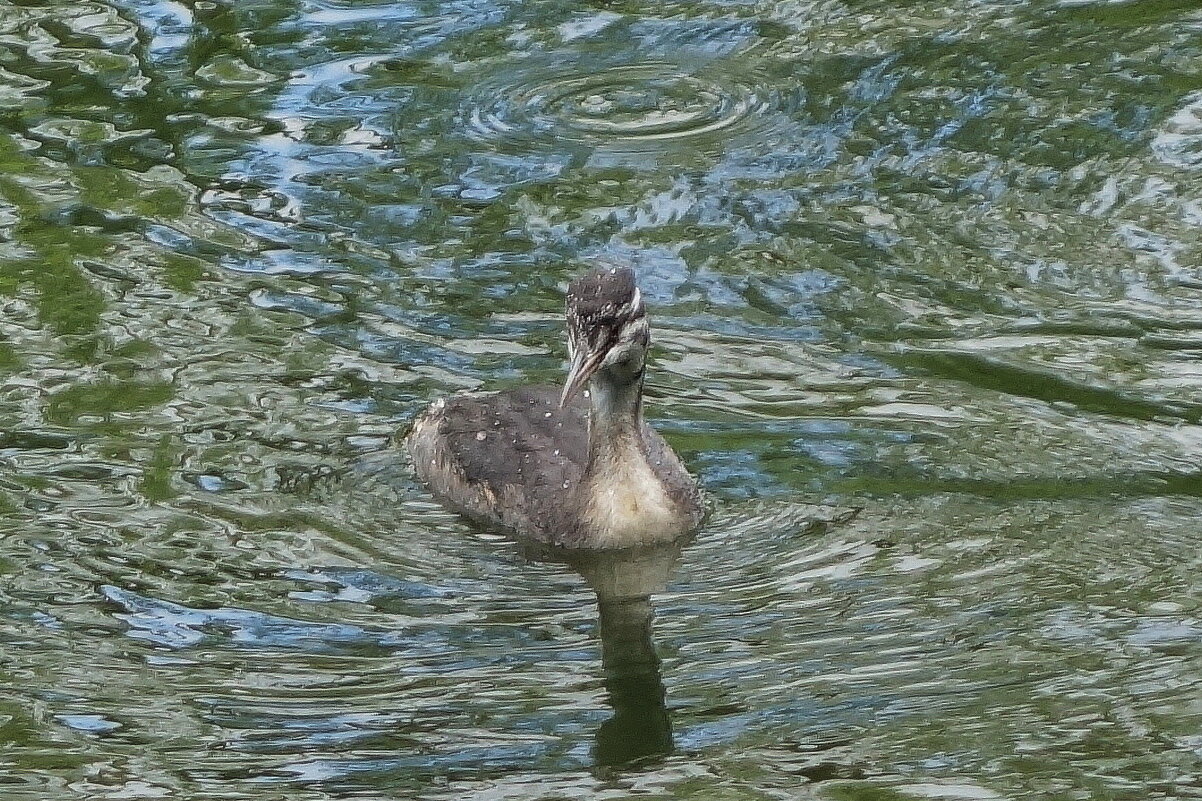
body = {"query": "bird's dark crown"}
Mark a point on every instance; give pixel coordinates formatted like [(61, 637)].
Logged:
[(603, 300)]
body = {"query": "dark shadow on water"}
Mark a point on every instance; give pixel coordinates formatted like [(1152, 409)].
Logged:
[(640, 728)]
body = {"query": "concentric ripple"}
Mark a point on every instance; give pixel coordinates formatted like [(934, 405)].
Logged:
[(622, 104)]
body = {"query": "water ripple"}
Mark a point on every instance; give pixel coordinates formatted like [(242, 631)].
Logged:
[(635, 105)]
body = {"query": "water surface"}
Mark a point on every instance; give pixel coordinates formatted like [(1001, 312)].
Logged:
[(937, 262)]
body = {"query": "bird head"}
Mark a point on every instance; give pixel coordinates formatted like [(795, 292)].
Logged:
[(607, 329)]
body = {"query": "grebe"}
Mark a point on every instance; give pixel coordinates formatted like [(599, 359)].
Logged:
[(568, 468)]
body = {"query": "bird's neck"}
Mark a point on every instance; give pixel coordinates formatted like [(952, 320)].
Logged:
[(615, 422), (625, 500)]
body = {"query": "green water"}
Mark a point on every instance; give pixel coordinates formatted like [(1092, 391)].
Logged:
[(939, 262)]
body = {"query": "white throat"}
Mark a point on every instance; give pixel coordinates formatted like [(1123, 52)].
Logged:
[(625, 500)]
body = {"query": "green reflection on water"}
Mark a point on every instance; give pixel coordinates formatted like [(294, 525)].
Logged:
[(936, 263), (104, 399)]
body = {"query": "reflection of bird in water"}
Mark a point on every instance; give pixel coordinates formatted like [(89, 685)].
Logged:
[(640, 726), (624, 582), (582, 472)]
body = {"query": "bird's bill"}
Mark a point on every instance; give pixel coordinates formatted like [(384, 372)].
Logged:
[(583, 365)]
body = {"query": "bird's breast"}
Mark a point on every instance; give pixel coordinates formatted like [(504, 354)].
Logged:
[(628, 505)]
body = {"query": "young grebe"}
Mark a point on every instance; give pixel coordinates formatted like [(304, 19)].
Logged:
[(579, 470)]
